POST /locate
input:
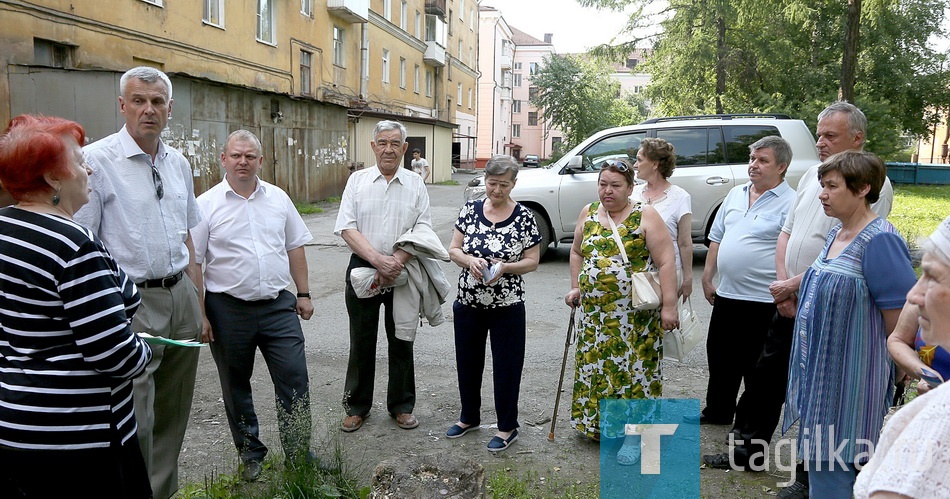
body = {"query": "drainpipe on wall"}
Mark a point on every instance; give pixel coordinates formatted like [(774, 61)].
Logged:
[(364, 63)]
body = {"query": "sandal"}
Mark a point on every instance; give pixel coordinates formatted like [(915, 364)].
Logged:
[(628, 455)]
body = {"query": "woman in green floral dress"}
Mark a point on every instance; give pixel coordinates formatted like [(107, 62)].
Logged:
[(618, 349)]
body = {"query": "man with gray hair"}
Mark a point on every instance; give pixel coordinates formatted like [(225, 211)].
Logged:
[(142, 206), (380, 204), (742, 251), (251, 242)]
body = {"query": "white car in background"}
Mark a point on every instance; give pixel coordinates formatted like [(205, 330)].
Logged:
[(712, 157)]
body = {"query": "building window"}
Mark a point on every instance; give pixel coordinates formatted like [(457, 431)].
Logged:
[(470, 98), (265, 21), (515, 131), (388, 10), (632, 63), (306, 7), (459, 53), (462, 13), (532, 118), (450, 22), (428, 83), (418, 25), (402, 72), (516, 106), (415, 80), (213, 12), (458, 97), (385, 66), (517, 66), (517, 80), (306, 63), (471, 19), (532, 93), (532, 68), (338, 55), (52, 54), (637, 89), (404, 15)]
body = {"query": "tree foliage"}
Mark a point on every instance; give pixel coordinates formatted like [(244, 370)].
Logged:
[(578, 97), (788, 56)]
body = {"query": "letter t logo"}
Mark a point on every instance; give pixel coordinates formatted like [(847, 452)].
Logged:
[(650, 444)]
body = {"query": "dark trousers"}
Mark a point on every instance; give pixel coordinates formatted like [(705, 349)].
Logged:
[(116, 472), (760, 406), (737, 331), (506, 325), (361, 368), (240, 328)]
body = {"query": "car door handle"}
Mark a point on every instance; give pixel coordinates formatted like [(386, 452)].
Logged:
[(717, 180)]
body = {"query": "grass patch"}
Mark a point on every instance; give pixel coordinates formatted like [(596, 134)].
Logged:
[(918, 209), (504, 484), (307, 208), (447, 182)]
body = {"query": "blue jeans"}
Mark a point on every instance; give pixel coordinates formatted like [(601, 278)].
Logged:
[(828, 483)]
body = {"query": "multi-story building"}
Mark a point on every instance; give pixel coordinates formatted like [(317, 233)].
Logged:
[(495, 53), (630, 74), (529, 128), (310, 77)]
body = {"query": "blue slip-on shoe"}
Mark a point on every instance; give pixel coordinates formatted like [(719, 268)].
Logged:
[(457, 431), (498, 444)]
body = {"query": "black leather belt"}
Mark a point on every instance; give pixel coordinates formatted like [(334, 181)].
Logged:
[(164, 282)]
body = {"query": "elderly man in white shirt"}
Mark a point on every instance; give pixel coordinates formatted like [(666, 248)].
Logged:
[(251, 240), (380, 204)]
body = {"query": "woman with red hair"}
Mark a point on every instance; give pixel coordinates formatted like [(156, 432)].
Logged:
[(67, 351)]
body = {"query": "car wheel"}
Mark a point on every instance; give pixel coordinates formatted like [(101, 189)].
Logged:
[(544, 229)]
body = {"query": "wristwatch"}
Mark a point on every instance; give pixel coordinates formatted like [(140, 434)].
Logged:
[(304, 295)]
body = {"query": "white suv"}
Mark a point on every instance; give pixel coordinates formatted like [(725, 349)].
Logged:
[(712, 154)]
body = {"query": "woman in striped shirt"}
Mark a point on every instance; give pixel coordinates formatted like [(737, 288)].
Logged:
[(67, 351), (840, 374)]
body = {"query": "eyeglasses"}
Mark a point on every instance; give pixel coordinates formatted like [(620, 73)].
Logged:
[(619, 165), (157, 180)]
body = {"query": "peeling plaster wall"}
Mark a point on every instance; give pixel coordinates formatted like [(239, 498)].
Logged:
[(305, 142)]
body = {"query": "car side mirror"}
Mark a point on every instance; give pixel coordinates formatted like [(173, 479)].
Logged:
[(573, 166)]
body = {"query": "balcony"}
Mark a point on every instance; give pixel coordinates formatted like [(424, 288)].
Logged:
[(435, 54), (505, 61), (504, 93), (352, 11), (436, 7)]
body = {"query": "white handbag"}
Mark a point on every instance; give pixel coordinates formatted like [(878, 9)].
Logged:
[(644, 286), (677, 343)]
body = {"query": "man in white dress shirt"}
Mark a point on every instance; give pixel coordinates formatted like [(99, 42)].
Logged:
[(251, 240), (142, 206), (380, 204)]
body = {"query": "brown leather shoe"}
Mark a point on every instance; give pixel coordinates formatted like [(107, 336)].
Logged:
[(406, 420), (352, 423)]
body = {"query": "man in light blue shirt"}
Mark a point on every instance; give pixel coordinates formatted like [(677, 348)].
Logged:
[(742, 251)]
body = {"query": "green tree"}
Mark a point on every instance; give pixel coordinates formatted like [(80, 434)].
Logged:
[(578, 97), (795, 57)]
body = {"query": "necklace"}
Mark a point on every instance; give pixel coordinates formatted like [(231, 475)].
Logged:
[(620, 211), (656, 198)]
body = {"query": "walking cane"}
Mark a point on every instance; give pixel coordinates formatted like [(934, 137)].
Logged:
[(560, 381)]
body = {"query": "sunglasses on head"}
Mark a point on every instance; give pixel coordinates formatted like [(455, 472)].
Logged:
[(619, 165)]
